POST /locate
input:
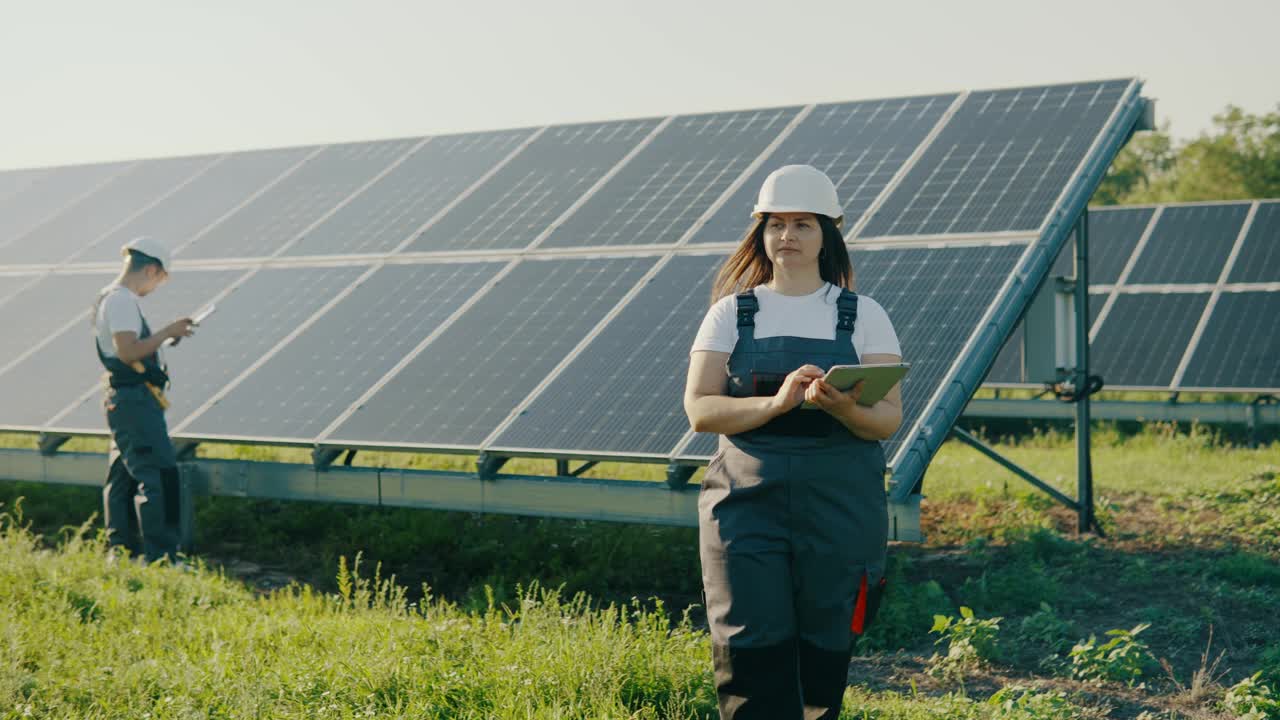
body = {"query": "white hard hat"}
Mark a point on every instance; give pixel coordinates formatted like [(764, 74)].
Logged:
[(148, 246), (799, 188)]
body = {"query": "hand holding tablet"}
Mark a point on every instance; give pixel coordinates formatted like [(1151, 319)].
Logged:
[(877, 379)]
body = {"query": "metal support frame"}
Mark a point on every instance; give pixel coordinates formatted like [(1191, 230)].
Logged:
[(1083, 504), (50, 443), (563, 470), (488, 465), (323, 458), (185, 450), (1255, 418), (679, 475), (1084, 462), (969, 439)]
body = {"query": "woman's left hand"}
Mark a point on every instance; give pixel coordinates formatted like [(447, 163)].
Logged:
[(827, 397)]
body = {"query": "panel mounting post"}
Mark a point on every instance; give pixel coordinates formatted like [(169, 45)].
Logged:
[(49, 443), (1084, 462), (322, 458), (678, 475), (488, 465)]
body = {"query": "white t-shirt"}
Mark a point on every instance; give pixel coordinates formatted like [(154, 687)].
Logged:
[(118, 312), (809, 316)]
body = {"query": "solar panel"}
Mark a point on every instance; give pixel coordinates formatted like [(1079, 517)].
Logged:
[(396, 206), (13, 182), (67, 366), (1189, 244), (623, 394), (515, 206), (251, 320), (42, 200), (1144, 337), (1113, 234), (462, 385), (935, 298), (216, 191), (1259, 259), (112, 204), (298, 200), (1001, 162), (860, 145), (304, 387), (662, 192), (44, 306), (1239, 347)]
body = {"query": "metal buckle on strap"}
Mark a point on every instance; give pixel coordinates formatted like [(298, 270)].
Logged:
[(747, 307), (846, 310)]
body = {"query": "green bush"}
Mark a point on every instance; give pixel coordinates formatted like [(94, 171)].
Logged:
[(1251, 699), (1123, 658), (971, 643)]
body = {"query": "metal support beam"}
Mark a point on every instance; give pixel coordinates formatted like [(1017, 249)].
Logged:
[(186, 509), (185, 449), (49, 444), (1255, 420), (562, 467), (1084, 462), (349, 457), (322, 458), (679, 475), (973, 442), (487, 465)]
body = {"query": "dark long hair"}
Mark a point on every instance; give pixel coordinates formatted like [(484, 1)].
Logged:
[(749, 266)]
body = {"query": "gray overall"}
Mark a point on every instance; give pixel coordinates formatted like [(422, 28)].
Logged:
[(793, 528), (141, 492)]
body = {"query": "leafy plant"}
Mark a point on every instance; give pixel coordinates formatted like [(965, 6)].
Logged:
[(1251, 699), (970, 643), (1123, 658)]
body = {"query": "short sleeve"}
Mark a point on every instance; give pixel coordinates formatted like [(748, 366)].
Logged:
[(719, 330), (121, 314), (874, 333)]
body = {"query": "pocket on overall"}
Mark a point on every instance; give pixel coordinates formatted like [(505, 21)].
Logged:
[(867, 603)]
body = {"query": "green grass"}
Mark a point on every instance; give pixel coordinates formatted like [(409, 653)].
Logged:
[(1193, 544)]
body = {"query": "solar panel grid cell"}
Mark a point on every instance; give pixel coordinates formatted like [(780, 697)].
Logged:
[(1189, 244), (469, 379), (520, 202), (659, 195), (394, 208), (303, 197), (112, 204), (305, 386), (1144, 337), (69, 357), (42, 201), (860, 145), (624, 393), (250, 321), (1259, 259), (217, 190), (1000, 163), (1240, 344)]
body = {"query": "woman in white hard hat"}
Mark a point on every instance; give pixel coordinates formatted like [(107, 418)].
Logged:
[(792, 512)]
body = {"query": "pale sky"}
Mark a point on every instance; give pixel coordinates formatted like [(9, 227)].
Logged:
[(122, 79)]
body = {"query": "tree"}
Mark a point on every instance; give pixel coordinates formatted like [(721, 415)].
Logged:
[(1239, 159)]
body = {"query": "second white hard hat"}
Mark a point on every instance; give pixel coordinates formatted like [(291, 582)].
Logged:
[(148, 246), (799, 188)]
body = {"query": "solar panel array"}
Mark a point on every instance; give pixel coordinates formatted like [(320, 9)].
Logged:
[(530, 291), (1181, 298)]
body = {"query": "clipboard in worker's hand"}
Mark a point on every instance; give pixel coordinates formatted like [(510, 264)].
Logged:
[(879, 380)]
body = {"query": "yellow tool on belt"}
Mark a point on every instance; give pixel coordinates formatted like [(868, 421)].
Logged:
[(156, 392)]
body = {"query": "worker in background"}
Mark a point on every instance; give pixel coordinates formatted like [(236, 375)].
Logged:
[(142, 475), (792, 516)]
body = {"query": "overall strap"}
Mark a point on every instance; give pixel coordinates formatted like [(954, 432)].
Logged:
[(747, 307), (846, 317)]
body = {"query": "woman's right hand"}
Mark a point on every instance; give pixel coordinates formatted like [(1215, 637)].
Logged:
[(791, 394)]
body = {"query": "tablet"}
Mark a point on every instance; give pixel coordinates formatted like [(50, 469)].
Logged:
[(880, 379)]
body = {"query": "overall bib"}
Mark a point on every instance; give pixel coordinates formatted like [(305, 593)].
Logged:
[(141, 492), (793, 532)]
